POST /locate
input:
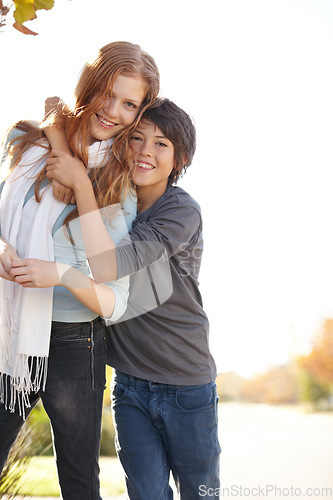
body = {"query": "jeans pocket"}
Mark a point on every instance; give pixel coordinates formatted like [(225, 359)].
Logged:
[(65, 333), (118, 392), (199, 397)]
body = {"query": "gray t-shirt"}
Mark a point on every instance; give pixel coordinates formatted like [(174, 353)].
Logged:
[(169, 343)]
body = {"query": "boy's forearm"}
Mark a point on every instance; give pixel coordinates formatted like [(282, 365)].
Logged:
[(57, 138), (54, 125)]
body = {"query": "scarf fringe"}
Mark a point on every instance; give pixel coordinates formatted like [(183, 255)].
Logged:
[(15, 390)]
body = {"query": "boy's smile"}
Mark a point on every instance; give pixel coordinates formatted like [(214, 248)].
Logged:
[(144, 166), (152, 155)]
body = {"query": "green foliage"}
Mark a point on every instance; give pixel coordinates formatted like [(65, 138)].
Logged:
[(35, 440), (310, 390), (41, 438), (107, 442), (29, 470), (16, 465)]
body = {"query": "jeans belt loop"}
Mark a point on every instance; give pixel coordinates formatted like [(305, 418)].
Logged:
[(131, 383)]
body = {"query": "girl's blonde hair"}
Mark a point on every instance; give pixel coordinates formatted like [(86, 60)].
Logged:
[(112, 181)]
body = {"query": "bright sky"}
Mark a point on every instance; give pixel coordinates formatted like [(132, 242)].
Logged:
[(257, 77)]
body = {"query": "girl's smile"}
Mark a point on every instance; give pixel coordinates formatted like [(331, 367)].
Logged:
[(103, 122)]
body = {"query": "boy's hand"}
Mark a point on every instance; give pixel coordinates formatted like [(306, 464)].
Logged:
[(65, 169), (51, 105), (35, 273), (63, 193), (7, 255)]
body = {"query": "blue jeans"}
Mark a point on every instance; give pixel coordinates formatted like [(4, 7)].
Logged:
[(162, 428), (73, 400)]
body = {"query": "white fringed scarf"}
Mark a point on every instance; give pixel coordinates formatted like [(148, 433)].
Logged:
[(25, 313), (98, 152)]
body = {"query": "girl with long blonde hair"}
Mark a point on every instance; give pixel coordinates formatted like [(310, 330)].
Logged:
[(52, 338)]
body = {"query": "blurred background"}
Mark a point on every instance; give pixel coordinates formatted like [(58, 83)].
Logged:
[(257, 77)]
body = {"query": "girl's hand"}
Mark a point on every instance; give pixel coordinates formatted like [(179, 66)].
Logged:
[(67, 170), (7, 255), (35, 273), (63, 193)]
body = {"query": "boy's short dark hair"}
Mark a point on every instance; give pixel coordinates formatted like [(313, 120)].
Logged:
[(179, 128)]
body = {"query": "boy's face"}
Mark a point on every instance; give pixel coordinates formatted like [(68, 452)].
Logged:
[(152, 155)]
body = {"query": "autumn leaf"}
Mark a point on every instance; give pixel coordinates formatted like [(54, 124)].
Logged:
[(24, 29), (25, 10), (44, 4)]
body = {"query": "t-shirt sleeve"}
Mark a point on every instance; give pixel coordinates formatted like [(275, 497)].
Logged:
[(120, 288), (167, 232)]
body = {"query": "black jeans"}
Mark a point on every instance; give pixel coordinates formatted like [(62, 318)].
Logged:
[(73, 400)]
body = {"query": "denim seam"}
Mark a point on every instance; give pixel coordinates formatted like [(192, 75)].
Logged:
[(92, 404), (92, 355), (167, 470)]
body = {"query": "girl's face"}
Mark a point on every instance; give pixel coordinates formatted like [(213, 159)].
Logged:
[(120, 110)]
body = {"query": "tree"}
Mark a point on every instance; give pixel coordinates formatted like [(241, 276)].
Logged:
[(319, 363), (24, 10), (316, 369), (277, 386)]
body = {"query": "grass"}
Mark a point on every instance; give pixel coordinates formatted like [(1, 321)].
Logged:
[(15, 466), (40, 477)]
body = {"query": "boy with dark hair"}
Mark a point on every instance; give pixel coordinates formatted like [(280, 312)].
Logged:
[(164, 395)]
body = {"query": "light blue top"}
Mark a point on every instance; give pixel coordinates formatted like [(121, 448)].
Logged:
[(66, 307)]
